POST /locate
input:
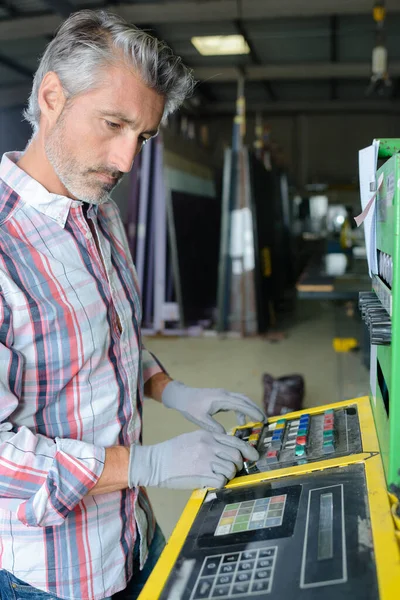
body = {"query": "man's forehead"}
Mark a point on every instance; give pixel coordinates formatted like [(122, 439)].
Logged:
[(126, 95)]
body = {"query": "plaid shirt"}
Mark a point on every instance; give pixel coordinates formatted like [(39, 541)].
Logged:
[(72, 370)]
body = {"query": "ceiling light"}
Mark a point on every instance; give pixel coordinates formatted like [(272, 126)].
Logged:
[(213, 45)]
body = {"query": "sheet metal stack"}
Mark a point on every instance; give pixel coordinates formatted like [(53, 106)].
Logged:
[(148, 225), (236, 287)]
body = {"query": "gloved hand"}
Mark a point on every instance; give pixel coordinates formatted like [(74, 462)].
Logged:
[(189, 461), (198, 404)]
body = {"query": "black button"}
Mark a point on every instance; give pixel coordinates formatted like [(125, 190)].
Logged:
[(265, 552), (227, 568), (211, 565), (203, 589), (243, 433), (220, 590), (260, 586), (239, 588), (264, 563), (249, 555), (246, 566), (224, 579), (230, 558), (243, 577), (262, 574)]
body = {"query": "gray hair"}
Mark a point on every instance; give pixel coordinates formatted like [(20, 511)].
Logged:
[(89, 40)]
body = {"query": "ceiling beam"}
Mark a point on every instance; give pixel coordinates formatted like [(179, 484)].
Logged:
[(227, 10), (301, 71), (254, 57), (325, 107), (200, 12)]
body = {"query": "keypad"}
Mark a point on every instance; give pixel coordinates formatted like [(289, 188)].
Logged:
[(251, 515), (236, 574)]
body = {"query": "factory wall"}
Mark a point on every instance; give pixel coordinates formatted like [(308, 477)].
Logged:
[(317, 147)]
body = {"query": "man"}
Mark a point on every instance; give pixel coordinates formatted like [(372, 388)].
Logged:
[(74, 520)]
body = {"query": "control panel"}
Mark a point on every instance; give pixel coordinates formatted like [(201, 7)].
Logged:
[(296, 537), (306, 438)]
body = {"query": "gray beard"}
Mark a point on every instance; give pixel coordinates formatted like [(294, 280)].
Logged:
[(68, 171)]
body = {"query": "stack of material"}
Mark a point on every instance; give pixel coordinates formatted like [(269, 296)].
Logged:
[(147, 235), (254, 266), (172, 223)]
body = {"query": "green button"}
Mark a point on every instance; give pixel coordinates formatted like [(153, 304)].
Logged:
[(300, 451), (328, 447), (329, 411), (240, 527), (328, 433), (301, 432), (243, 519)]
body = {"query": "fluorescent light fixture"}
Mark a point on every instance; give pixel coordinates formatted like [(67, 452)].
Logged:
[(213, 45)]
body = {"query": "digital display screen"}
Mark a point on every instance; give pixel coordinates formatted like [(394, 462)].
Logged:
[(251, 515)]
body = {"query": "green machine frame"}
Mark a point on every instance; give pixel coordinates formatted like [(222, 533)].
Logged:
[(385, 362)]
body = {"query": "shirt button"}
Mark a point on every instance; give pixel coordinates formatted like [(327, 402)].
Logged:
[(88, 235)]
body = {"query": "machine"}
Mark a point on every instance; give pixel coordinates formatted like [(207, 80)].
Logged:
[(317, 516)]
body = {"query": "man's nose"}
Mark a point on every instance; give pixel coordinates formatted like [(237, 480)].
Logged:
[(125, 153)]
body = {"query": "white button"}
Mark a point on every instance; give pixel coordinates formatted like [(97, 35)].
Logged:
[(88, 235)]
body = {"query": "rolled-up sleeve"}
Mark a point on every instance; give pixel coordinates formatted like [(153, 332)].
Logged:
[(151, 365)]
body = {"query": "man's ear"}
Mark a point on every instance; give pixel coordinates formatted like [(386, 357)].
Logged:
[(51, 97)]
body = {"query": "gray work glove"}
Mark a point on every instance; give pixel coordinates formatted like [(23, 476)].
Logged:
[(198, 404), (189, 461)]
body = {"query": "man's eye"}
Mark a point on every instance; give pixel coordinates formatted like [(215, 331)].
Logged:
[(112, 125)]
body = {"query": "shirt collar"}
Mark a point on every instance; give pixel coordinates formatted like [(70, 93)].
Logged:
[(32, 192)]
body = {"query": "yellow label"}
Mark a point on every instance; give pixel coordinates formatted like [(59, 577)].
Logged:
[(344, 344), (266, 262), (378, 13)]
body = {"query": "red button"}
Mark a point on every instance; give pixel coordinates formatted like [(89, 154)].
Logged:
[(329, 420), (301, 440), (328, 426), (272, 453)]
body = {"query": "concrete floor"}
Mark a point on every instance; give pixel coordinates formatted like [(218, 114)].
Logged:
[(238, 365)]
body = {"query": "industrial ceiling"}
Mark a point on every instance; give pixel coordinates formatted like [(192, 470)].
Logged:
[(305, 56)]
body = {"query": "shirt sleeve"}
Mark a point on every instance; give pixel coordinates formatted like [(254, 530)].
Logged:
[(50, 476), (151, 365)]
